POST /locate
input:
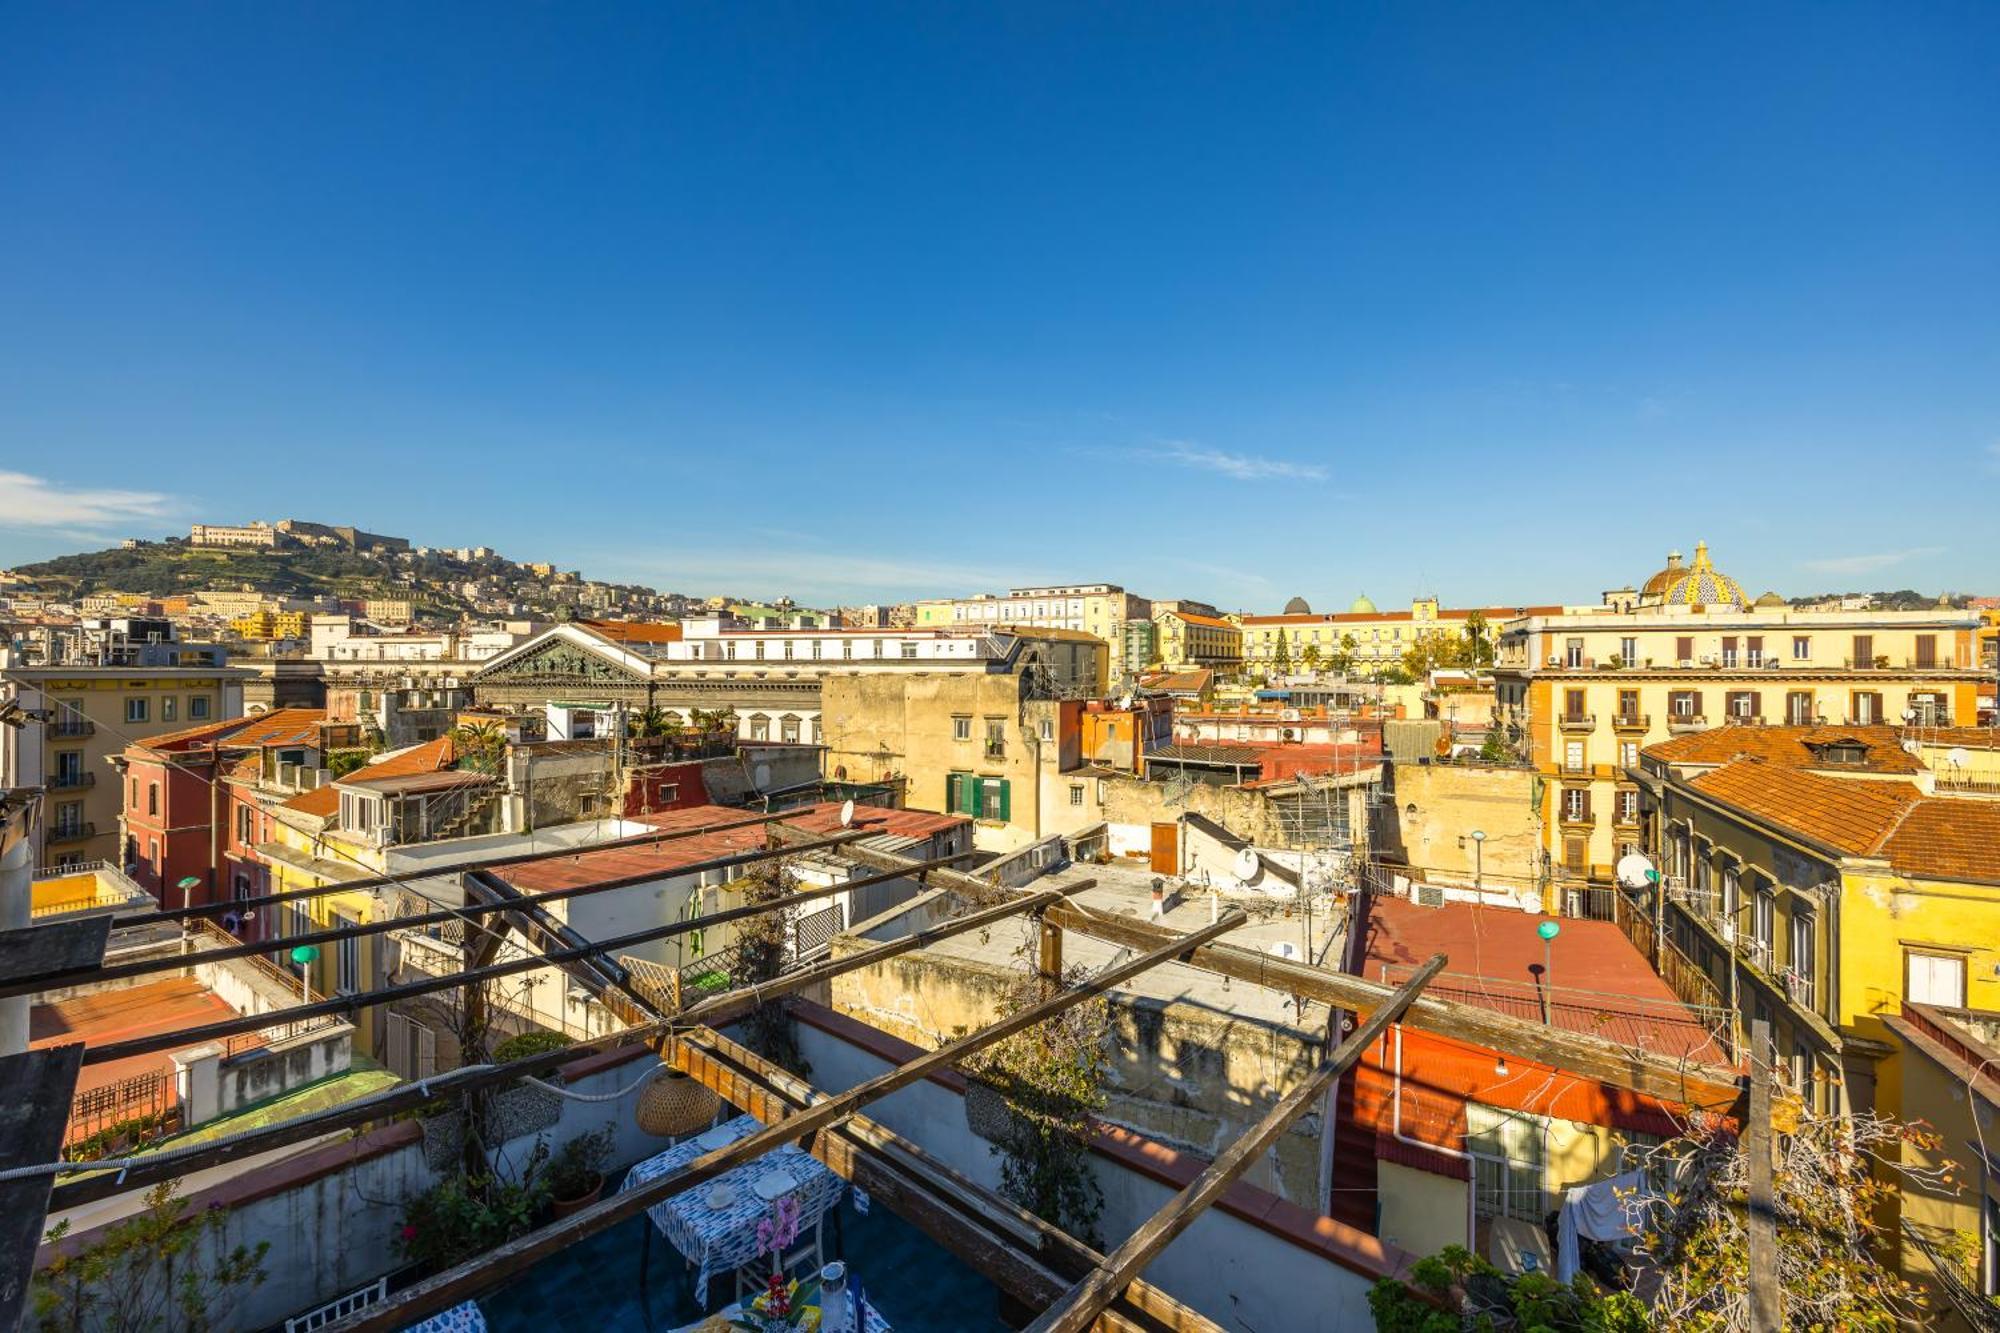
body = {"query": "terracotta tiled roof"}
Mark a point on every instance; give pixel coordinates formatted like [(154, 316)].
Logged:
[(428, 757), (320, 802), (279, 727), (1948, 838), (633, 631), (1849, 815), (1213, 622), (1193, 681), (1971, 738), (1789, 747)]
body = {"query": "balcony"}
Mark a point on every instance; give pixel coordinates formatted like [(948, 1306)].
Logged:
[(1680, 722), (73, 830), (1744, 719), (1577, 721), (996, 749), (72, 781), (1632, 721), (72, 728)]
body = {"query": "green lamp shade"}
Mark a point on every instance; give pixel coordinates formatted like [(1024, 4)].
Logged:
[(188, 882), (305, 953), (1548, 930)]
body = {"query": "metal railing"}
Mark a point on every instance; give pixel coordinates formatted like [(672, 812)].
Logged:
[(1631, 721), (70, 728), (1972, 1305), (72, 781), (127, 1113), (72, 830)]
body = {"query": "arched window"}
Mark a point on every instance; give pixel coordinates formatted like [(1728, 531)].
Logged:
[(760, 727)]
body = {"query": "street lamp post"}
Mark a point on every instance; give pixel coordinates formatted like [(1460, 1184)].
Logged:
[(1548, 930), (1479, 861)]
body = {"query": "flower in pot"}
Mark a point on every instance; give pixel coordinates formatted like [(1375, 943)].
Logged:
[(575, 1173)]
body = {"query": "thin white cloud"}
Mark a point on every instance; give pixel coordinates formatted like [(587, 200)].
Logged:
[(34, 502), (1869, 563), (1243, 467)]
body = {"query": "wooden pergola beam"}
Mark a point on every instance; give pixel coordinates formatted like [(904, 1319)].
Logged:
[(720, 1009), (1079, 1307), (457, 1284), (986, 1231), (1572, 1052)]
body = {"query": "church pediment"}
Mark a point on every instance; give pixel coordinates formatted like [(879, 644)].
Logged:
[(559, 660)]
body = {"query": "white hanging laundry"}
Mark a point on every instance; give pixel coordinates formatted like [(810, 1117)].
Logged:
[(1604, 1211)]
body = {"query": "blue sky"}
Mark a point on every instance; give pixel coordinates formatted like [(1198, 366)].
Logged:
[(1231, 301)]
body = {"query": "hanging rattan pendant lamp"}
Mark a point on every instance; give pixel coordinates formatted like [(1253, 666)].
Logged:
[(674, 1104)]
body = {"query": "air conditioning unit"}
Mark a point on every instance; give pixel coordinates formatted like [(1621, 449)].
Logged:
[(381, 836), (1430, 895), (1684, 663), (1708, 659), (1554, 660), (1289, 714)]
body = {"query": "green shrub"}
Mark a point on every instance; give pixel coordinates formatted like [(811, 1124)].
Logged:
[(524, 1044)]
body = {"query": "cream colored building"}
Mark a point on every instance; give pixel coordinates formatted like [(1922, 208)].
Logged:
[(249, 534), (1187, 639), (1373, 639), (80, 716), (1581, 693), (1102, 609)]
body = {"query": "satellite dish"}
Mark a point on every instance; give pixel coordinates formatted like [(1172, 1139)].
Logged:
[(1529, 901), (1632, 870), (1247, 864), (1957, 757), (1911, 747), (762, 775), (846, 813)]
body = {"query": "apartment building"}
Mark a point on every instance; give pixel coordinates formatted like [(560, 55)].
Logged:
[(257, 534), (1363, 637), (1581, 693), (1101, 609), (771, 678), (1191, 639), (76, 715)]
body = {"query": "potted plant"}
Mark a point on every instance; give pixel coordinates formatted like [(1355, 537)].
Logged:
[(575, 1173)]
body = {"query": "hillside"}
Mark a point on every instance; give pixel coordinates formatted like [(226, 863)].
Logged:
[(433, 582)]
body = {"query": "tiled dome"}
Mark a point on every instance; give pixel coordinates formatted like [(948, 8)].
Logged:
[(1297, 607), (1705, 585), (1362, 606)]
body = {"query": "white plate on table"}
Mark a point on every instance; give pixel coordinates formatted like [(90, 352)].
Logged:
[(775, 1185), (720, 1197), (719, 1137)]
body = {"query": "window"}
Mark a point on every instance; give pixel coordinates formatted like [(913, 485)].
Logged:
[(1927, 650), (757, 650), (1684, 648), (996, 737), (246, 825), (1684, 704), (1729, 650), (152, 798), (1800, 959), (1628, 754), (1802, 647), (760, 727), (69, 820), (729, 652), (1576, 805), (1628, 704), (1799, 708), (170, 709), (1573, 705), (1865, 707), (847, 648), (1763, 923), (1076, 793), (1934, 978), (1628, 807), (1864, 650), (135, 710), (909, 651), (1506, 1148), (1732, 893), (1573, 756), (1048, 730), (1743, 705), (1628, 651), (1573, 654), (347, 958), (198, 707), (961, 728), (790, 649), (788, 729), (819, 650), (132, 802), (1576, 855)]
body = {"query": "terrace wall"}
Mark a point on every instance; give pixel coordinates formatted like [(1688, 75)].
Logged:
[(1251, 1261)]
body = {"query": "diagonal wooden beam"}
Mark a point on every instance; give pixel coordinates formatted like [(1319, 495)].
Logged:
[(1025, 1256), (1573, 1052), (474, 1275), (1081, 1304)]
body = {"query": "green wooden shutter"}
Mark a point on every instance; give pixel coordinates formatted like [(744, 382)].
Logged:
[(1006, 809)]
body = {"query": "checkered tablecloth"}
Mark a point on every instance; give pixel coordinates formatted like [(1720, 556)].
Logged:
[(464, 1318), (723, 1240)]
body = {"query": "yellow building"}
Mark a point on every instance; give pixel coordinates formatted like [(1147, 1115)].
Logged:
[(1188, 639), (268, 624), (1099, 609), (1814, 880), (1364, 639), (1579, 694)]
